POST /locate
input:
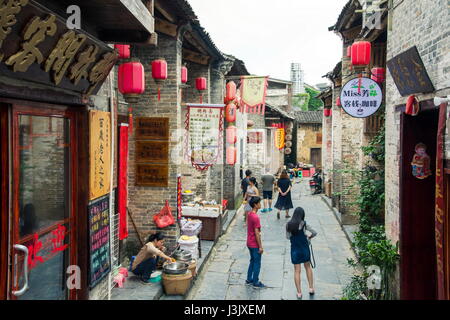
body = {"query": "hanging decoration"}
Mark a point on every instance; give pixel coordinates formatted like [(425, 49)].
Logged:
[(201, 85), (338, 102), (230, 112), (131, 80), (130, 120), (279, 138), (231, 134), (253, 94), (421, 162), (288, 151), (327, 112), (179, 199), (378, 75), (349, 51), (184, 74), (289, 144), (231, 155), (230, 95), (204, 134), (412, 106), (361, 97), (122, 184), (124, 50), (159, 73), (361, 53)]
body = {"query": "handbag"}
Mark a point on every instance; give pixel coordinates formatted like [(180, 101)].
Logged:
[(164, 218)]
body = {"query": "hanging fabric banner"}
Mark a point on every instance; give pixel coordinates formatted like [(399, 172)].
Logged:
[(204, 133), (280, 139), (253, 94), (123, 181), (179, 199), (440, 203)]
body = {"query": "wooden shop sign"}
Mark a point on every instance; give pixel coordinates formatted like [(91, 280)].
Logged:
[(152, 128), (35, 45), (152, 151), (152, 175), (409, 73)]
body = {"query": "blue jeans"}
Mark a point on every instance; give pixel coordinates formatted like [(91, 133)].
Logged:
[(255, 266), (145, 268)]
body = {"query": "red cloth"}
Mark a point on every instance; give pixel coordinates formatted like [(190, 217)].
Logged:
[(253, 222), (123, 182)]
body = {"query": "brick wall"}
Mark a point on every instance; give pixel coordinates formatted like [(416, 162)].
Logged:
[(307, 138)]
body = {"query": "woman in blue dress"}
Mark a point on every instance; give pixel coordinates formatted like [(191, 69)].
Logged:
[(296, 232), (284, 201)]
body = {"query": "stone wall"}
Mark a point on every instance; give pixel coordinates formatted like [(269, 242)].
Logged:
[(307, 139)]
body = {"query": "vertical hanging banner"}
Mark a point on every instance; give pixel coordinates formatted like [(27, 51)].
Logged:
[(280, 140), (253, 94), (204, 133), (179, 199), (100, 153), (123, 181), (440, 204)]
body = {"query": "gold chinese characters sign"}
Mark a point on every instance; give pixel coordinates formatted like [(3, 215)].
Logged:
[(36, 45), (100, 153)]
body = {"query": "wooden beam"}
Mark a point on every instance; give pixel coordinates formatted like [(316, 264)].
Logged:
[(165, 12), (165, 27), (352, 33), (195, 57), (190, 38)]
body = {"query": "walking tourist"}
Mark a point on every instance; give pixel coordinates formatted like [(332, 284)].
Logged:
[(252, 191), (268, 181), (254, 244), (296, 230), (245, 182), (284, 201), (147, 258)]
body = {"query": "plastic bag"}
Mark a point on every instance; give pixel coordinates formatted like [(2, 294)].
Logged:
[(164, 218)]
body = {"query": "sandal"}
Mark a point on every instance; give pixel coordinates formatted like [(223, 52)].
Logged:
[(299, 296), (311, 292)]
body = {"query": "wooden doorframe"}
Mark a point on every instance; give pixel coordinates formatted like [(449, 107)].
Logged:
[(4, 201), (447, 232), (80, 185)]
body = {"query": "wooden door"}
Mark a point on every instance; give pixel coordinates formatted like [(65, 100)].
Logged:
[(43, 197), (417, 210), (316, 157)]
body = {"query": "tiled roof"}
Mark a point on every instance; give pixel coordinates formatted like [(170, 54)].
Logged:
[(309, 116), (280, 111)]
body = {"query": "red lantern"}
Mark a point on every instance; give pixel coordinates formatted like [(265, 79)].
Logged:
[(231, 156), (378, 75), (338, 102), (361, 52), (231, 92), (124, 50), (327, 112), (159, 73), (231, 134), (200, 84), (131, 80), (230, 112), (349, 51), (184, 74)]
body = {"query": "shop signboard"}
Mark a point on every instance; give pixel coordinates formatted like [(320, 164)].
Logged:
[(99, 240), (256, 147), (152, 128), (152, 175), (409, 73), (361, 97), (35, 45), (100, 153), (204, 128)]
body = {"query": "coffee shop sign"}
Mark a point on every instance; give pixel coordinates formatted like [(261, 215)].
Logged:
[(361, 97)]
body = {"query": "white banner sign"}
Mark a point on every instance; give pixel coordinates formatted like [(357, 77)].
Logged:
[(361, 97)]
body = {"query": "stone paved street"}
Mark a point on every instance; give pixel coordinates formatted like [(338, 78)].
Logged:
[(224, 276)]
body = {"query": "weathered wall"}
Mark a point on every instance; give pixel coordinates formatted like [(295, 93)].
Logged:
[(307, 139)]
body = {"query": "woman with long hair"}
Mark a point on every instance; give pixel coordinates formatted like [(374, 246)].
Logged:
[(296, 232), (284, 201), (252, 191)]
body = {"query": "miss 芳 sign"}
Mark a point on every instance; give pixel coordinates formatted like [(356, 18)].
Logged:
[(361, 97)]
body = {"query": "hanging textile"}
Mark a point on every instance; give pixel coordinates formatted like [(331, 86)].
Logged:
[(204, 133), (179, 199), (440, 203), (280, 141), (123, 181), (253, 94)]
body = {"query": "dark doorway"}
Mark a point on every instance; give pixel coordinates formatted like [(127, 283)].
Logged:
[(417, 209), (316, 157), (4, 179)]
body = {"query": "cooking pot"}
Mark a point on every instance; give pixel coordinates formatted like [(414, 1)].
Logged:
[(175, 268), (181, 255)]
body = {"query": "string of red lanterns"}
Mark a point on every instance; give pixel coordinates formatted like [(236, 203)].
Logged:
[(201, 85), (159, 73), (230, 117)]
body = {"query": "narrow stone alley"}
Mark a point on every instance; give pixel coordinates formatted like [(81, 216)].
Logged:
[(224, 276)]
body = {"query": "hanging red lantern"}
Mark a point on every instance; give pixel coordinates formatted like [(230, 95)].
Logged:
[(230, 112), (361, 53), (131, 80), (124, 50), (378, 75), (349, 51), (327, 112), (201, 85), (231, 155), (231, 134), (338, 102), (184, 74), (230, 92), (159, 73)]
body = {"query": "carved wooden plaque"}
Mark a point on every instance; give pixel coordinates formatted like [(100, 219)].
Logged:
[(152, 128), (152, 175), (152, 151)]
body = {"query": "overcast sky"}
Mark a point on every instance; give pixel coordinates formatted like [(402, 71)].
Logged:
[(268, 35)]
